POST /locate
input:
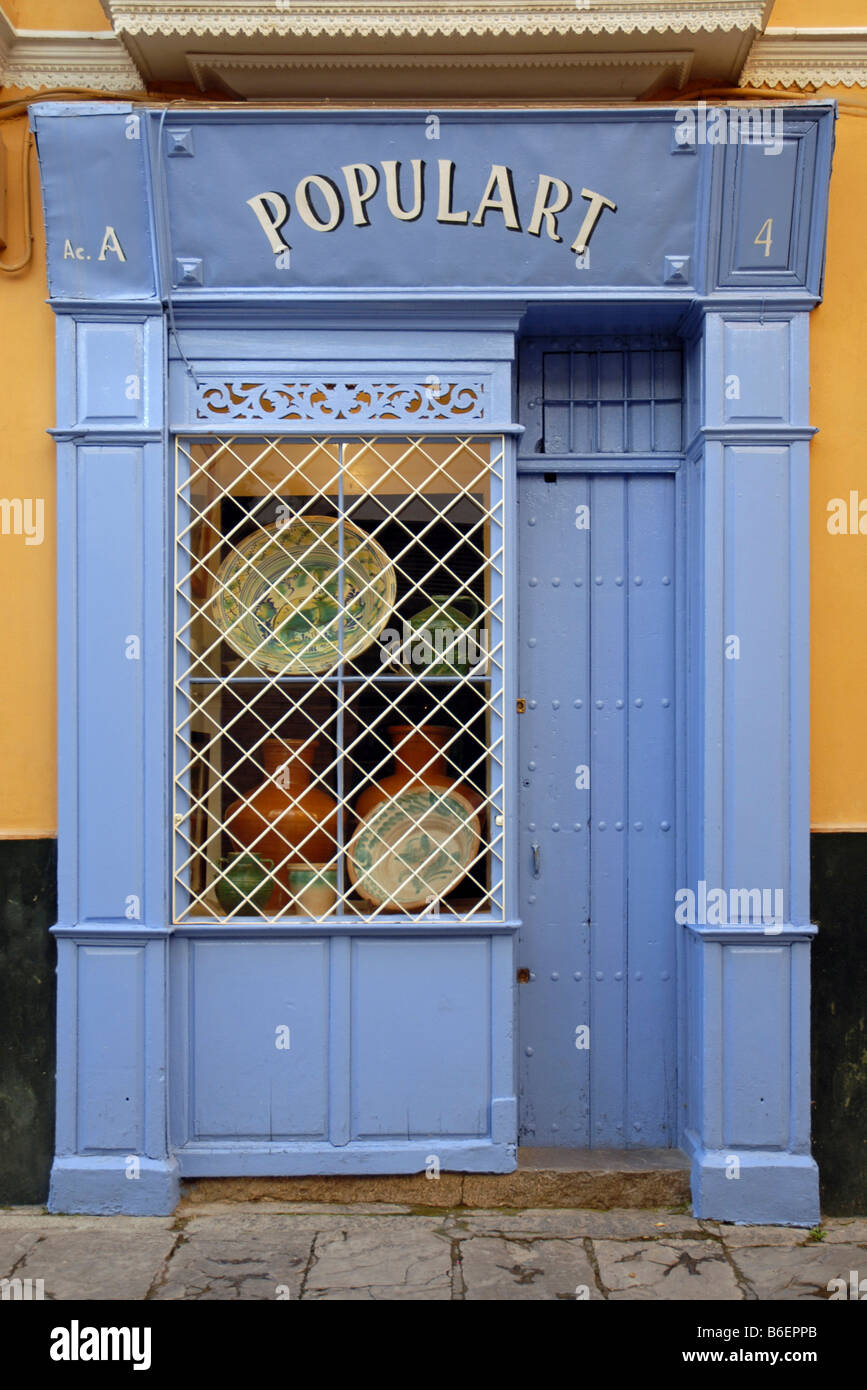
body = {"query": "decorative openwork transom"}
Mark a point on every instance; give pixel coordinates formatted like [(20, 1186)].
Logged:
[(357, 400), (339, 661)]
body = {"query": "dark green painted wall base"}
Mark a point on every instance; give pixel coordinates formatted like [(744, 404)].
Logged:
[(27, 990), (28, 901), (839, 907)]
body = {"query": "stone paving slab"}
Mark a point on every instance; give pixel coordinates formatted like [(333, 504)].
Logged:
[(393, 1264), (569, 1223), (218, 1265), (688, 1269), (38, 1219), (257, 1225), (98, 1265), (535, 1269), (845, 1230), (739, 1237), (797, 1274), (269, 1251), (14, 1246)]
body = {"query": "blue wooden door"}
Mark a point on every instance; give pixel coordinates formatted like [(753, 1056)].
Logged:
[(597, 745)]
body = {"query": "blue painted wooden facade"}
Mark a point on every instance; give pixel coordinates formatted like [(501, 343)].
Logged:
[(660, 761)]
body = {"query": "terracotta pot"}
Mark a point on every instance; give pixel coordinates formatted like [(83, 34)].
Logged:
[(286, 819), (419, 759)]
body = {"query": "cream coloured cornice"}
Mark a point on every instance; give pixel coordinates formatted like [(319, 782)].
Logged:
[(7, 38), (31, 59), (807, 58), (250, 49), (201, 63), (431, 18), (259, 76)]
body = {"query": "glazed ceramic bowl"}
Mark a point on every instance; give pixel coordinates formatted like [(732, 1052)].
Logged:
[(285, 601)]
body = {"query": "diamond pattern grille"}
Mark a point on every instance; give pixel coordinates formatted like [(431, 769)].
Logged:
[(339, 658)]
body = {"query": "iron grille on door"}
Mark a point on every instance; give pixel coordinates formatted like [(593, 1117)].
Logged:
[(339, 657), (595, 396)]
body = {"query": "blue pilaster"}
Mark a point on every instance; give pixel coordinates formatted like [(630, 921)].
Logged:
[(747, 958), (112, 1152)]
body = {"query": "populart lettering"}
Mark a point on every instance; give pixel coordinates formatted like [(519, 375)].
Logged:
[(407, 193)]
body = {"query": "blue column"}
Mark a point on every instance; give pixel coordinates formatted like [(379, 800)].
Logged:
[(112, 1151), (745, 908)]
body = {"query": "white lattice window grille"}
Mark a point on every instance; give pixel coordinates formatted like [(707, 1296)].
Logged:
[(453, 400), (339, 631)]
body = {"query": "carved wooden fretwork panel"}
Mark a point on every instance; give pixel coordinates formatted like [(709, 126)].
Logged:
[(355, 400)]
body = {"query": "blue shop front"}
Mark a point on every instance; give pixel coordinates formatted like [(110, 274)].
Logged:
[(433, 612)]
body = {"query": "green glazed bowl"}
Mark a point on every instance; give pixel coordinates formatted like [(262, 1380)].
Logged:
[(443, 629), (246, 882)]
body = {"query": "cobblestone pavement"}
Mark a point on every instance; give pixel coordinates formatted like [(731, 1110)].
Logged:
[(302, 1251)]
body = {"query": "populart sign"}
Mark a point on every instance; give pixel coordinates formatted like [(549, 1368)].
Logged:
[(143, 203), (321, 204)]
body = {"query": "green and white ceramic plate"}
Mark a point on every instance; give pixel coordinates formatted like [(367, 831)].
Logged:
[(414, 848), (278, 595)]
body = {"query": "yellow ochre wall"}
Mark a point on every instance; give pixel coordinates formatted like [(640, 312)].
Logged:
[(27, 469), (838, 465), (838, 461), (56, 14), (818, 14), (838, 458)]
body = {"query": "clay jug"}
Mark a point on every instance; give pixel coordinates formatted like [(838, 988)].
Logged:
[(286, 819), (418, 759)]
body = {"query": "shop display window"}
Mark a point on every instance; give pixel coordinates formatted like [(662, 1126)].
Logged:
[(339, 658)]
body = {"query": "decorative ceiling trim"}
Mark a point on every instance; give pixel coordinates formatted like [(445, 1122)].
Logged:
[(807, 58), (37, 58), (203, 63), (429, 18)]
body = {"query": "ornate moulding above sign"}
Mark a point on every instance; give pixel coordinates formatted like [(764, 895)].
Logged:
[(807, 58), (587, 49), (32, 60), (585, 75), (435, 17)]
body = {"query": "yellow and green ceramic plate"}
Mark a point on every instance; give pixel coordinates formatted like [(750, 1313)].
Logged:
[(278, 596), (414, 848)]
